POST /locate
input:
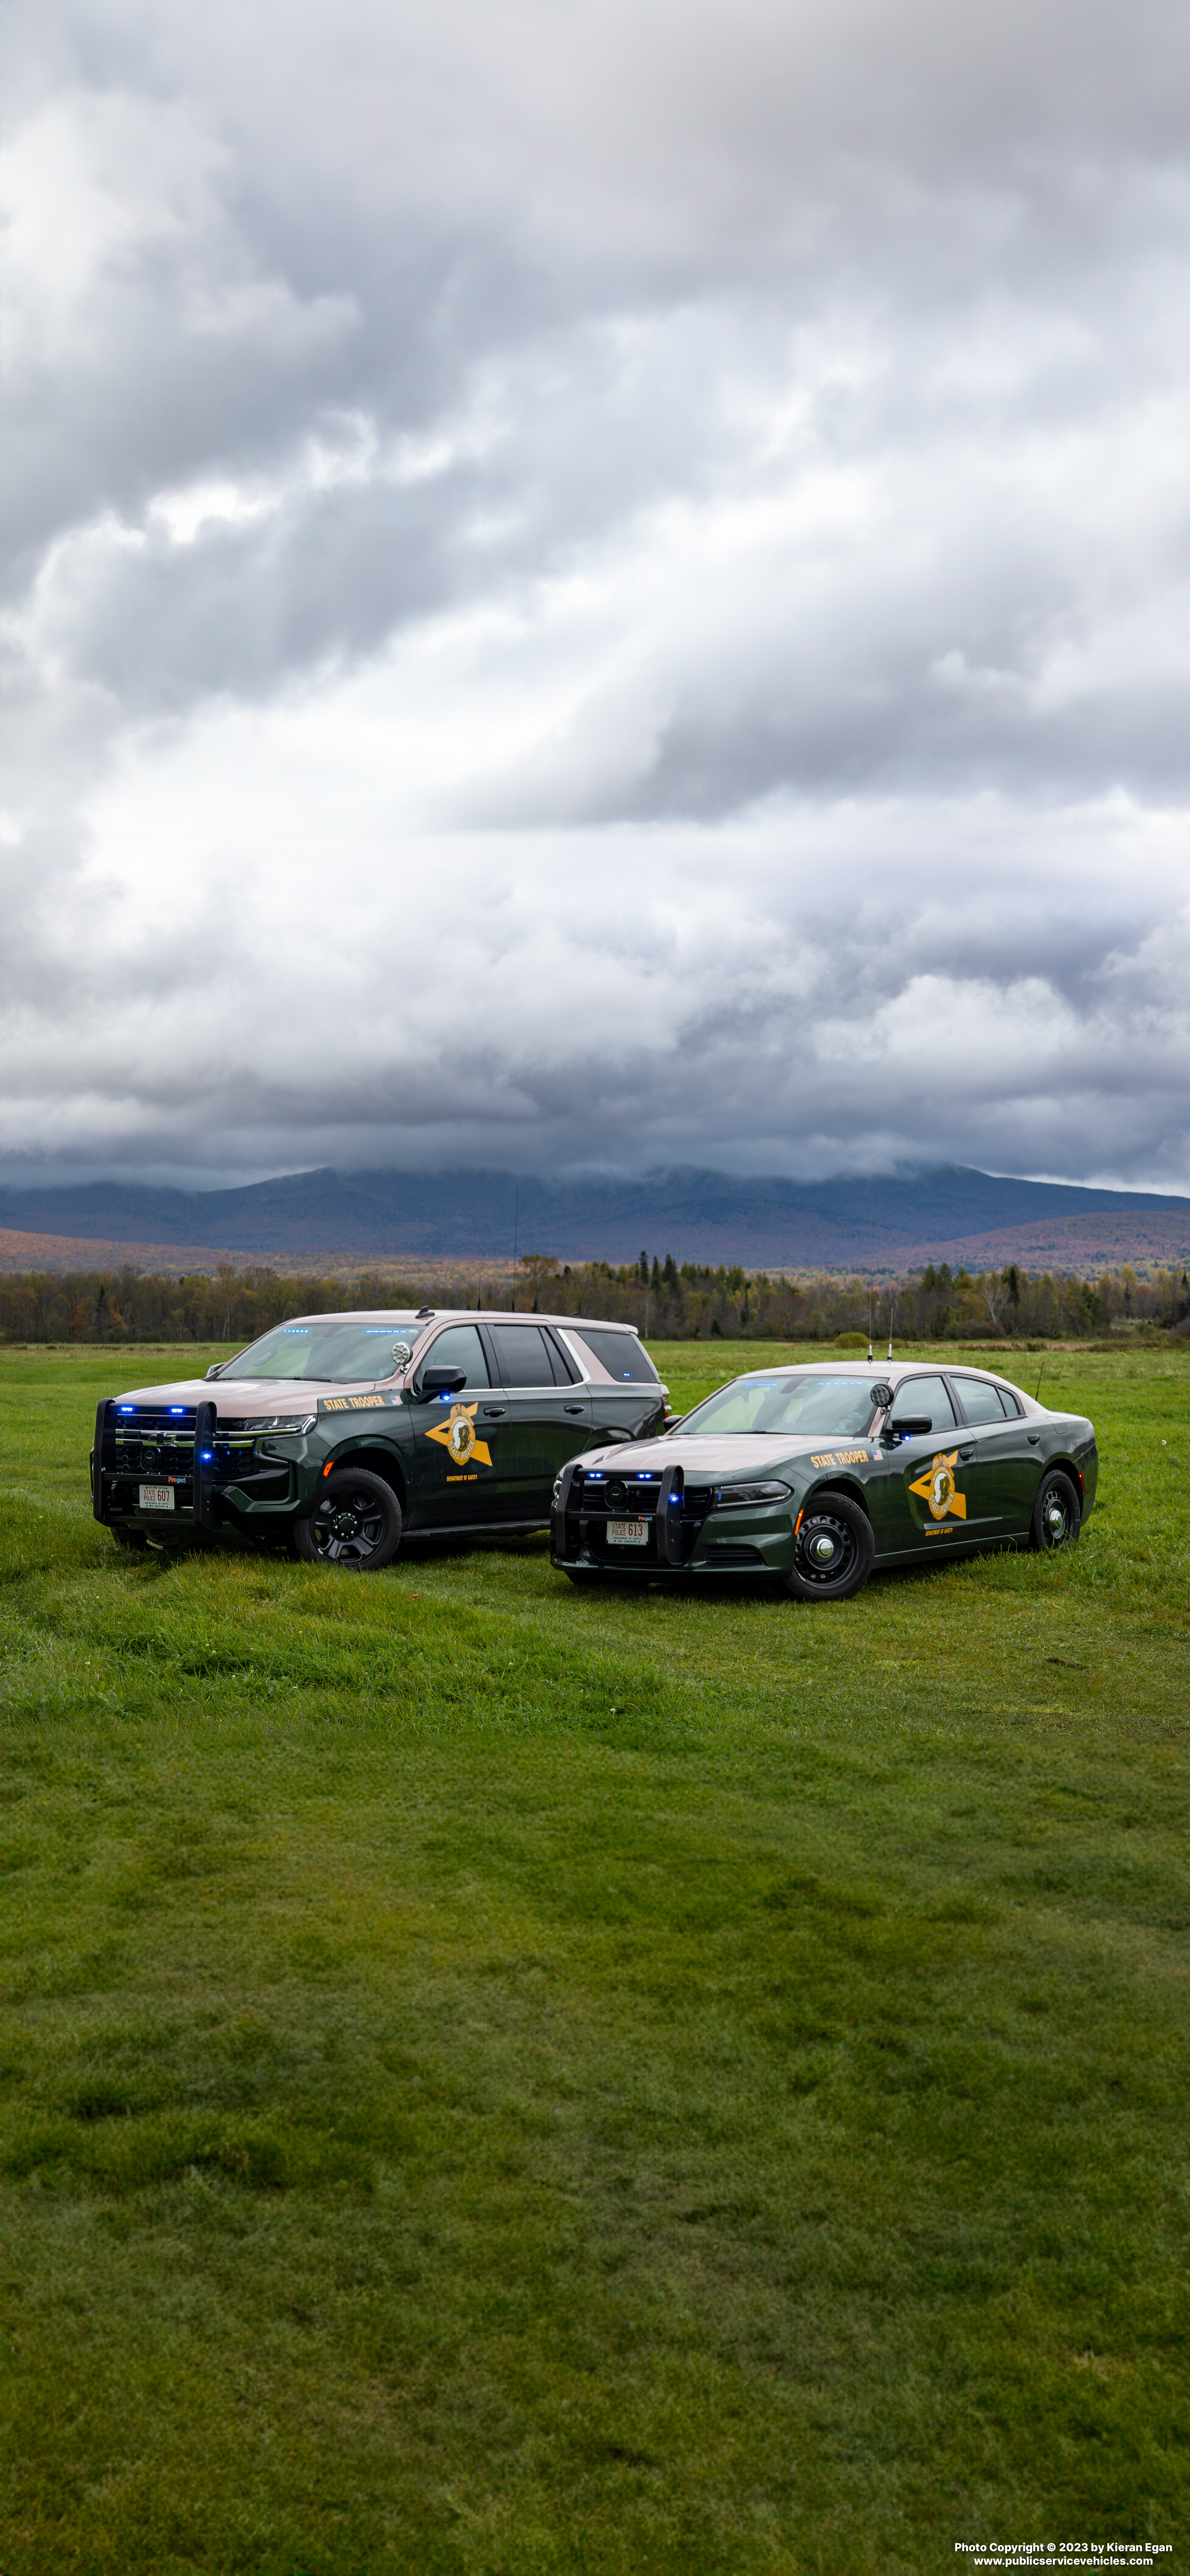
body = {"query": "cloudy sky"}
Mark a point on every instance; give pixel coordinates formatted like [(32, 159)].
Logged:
[(597, 582)]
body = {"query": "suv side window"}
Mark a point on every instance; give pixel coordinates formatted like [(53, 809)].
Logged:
[(459, 1347), (522, 1355), (621, 1355), (566, 1371)]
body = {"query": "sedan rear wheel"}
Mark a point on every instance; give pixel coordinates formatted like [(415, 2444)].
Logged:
[(355, 1524), (1057, 1513), (834, 1550)]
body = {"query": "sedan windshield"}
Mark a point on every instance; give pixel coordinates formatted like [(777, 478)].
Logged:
[(334, 1353), (831, 1408)]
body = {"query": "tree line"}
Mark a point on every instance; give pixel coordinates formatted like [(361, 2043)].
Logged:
[(665, 1302), (932, 1304)]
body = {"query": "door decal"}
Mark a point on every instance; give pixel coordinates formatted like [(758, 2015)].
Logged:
[(458, 1436), (937, 1487)]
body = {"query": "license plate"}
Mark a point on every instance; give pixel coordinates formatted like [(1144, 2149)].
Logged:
[(628, 1533), (157, 1498)]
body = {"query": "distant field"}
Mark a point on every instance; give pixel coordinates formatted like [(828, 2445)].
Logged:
[(502, 2081)]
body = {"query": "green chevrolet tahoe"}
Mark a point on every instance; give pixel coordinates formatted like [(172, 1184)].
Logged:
[(341, 1434)]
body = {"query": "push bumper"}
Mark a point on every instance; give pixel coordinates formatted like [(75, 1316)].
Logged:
[(135, 1447), (685, 1535)]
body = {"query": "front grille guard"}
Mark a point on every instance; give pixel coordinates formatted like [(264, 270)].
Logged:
[(107, 1465), (671, 1525)]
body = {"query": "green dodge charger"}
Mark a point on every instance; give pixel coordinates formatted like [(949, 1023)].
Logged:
[(816, 1475)]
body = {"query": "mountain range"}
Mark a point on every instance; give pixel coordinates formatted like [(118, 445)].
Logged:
[(343, 1221)]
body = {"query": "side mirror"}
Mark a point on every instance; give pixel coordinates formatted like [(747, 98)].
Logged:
[(907, 1425), (217, 1370), (441, 1381)]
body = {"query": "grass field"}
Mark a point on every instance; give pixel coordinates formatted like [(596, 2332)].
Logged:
[(502, 2081)]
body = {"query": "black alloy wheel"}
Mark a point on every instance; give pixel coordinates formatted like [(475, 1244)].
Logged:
[(834, 1551), (1057, 1513), (355, 1524)]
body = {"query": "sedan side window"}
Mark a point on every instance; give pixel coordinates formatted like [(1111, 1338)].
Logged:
[(459, 1347), (926, 1395), (522, 1356), (980, 1402)]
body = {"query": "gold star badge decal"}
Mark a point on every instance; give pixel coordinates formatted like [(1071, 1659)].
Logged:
[(937, 1488), (458, 1436)]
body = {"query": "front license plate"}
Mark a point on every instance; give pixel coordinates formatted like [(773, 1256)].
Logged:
[(156, 1498), (628, 1533)]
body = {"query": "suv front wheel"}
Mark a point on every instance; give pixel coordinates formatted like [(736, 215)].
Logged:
[(355, 1523)]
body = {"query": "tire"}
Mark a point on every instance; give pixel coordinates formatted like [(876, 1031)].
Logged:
[(355, 1525), (1057, 1512), (832, 1518), (127, 1537)]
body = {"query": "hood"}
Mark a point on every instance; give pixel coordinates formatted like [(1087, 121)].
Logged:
[(749, 1454), (243, 1396)]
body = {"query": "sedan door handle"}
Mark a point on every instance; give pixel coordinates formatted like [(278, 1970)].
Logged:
[(574, 1408), (1032, 1437), (492, 1412), (968, 1453)]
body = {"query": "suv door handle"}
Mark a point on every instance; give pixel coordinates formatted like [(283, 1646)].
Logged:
[(492, 1412), (574, 1408), (968, 1453)]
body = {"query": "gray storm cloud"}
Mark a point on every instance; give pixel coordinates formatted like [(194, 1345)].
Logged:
[(597, 587)]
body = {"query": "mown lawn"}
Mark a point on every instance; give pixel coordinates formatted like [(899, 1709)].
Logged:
[(502, 2081)]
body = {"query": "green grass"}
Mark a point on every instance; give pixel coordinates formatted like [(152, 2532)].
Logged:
[(502, 2081)]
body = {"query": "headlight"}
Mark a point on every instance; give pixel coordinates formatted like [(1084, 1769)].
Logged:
[(298, 1422), (729, 1495)]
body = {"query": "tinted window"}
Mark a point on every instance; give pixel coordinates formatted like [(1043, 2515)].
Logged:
[(925, 1395), (565, 1368), (522, 1355), (1011, 1403), (459, 1347), (621, 1355), (980, 1402)]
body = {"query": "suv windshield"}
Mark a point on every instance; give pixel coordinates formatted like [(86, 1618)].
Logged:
[(334, 1353), (832, 1408)]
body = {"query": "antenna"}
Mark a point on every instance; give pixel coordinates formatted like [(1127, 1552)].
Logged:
[(516, 1219), (892, 1306), (1038, 1388)]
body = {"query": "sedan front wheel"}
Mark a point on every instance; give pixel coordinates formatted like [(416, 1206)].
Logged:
[(355, 1524), (834, 1551)]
